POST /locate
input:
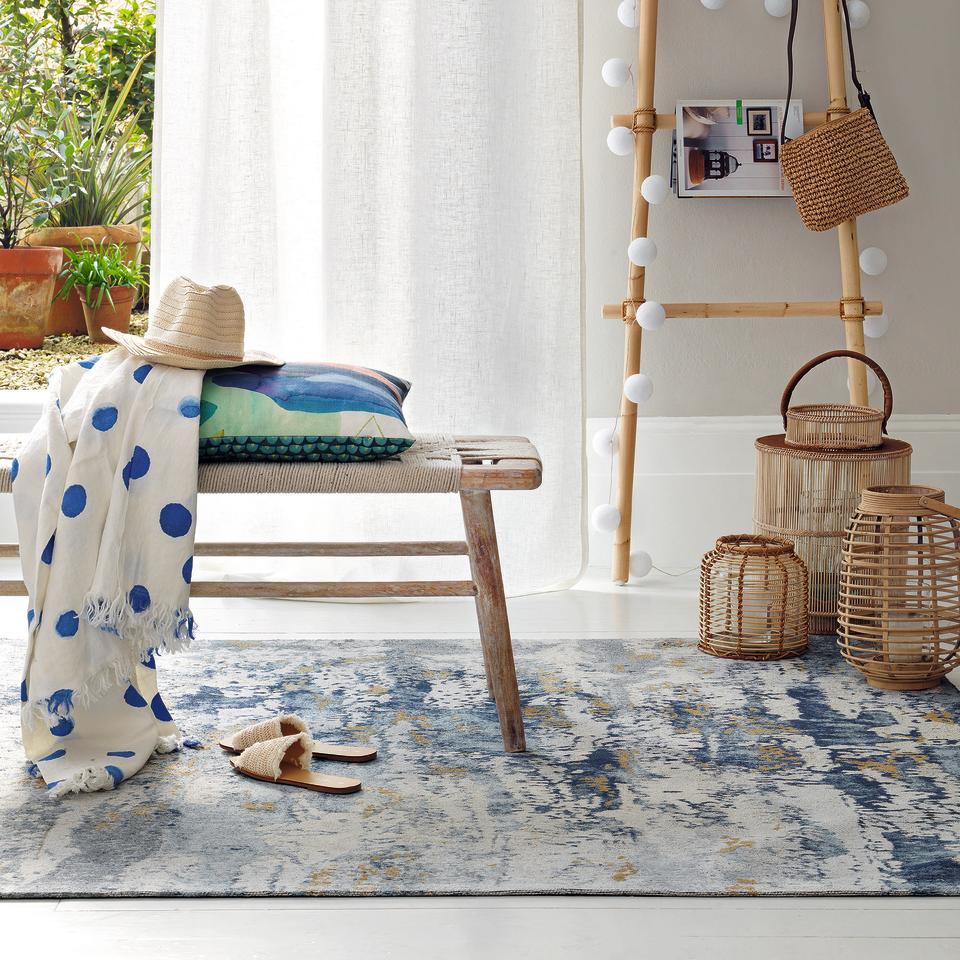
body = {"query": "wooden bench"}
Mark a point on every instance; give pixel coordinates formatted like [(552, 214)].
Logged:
[(469, 466)]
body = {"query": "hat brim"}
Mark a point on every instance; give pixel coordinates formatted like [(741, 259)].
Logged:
[(138, 347)]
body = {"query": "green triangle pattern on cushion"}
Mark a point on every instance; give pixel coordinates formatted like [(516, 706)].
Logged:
[(311, 449)]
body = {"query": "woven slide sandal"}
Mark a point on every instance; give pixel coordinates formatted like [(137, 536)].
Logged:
[(286, 761), (284, 726)]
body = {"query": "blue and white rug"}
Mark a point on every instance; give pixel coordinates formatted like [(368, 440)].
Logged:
[(653, 769)]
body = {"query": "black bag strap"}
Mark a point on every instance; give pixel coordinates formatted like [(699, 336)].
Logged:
[(862, 94)]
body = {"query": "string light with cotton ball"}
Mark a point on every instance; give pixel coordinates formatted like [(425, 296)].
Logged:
[(777, 8), (873, 261), (859, 14), (654, 188), (876, 326), (638, 388), (615, 72), (651, 315), (627, 13), (642, 251), (620, 140), (641, 563), (714, 4), (605, 442), (605, 518)]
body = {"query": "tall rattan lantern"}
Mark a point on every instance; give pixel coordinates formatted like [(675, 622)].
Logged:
[(899, 609), (809, 479)]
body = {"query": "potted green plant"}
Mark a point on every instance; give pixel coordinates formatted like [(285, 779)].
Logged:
[(99, 165), (105, 283), (27, 276)]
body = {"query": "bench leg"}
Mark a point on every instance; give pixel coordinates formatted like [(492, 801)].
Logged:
[(481, 536)]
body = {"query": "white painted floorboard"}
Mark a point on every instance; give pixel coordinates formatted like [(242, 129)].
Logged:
[(463, 928)]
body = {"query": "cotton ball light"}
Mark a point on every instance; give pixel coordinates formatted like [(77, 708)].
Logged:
[(876, 326), (651, 315), (642, 251), (605, 518), (641, 563), (873, 261), (620, 140), (654, 188), (615, 72), (714, 4), (859, 14), (604, 442), (627, 13), (638, 388), (777, 8)]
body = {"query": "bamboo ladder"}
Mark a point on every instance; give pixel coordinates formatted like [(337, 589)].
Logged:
[(851, 308)]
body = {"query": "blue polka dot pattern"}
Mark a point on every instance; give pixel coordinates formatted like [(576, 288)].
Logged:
[(47, 555), (159, 708), (104, 418), (132, 696), (68, 623), (74, 500), (88, 363), (187, 570), (175, 520), (14, 469), (190, 407), (56, 755), (139, 598), (23, 691), (62, 728), (140, 374), (54, 783), (120, 753), (46, 471), (149, 661), (136, 467), (30, 616), (114, 772)]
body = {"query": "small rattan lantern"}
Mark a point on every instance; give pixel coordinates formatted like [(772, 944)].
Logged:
[(809, 479), (899, 609), (753, 599)]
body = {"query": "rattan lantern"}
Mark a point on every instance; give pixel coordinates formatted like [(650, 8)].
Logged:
[(809, 480), (899, 608), (753, 599)]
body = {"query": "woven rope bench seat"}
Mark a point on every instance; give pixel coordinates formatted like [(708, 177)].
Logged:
[(436, 463)]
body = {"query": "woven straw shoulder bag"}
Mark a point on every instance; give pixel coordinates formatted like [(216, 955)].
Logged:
[(844, 168)]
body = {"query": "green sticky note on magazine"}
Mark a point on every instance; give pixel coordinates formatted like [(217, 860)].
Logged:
[(740, 111)]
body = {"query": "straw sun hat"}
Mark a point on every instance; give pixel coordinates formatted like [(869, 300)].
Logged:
[(196, 327)]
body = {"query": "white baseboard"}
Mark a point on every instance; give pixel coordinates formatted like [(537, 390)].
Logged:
[(694, 478)]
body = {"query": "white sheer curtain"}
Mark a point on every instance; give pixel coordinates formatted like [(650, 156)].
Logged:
[(394, 183)]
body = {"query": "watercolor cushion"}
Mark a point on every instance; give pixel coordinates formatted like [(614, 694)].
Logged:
[(302, 411)]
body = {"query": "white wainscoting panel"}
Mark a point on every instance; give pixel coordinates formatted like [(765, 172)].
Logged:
[(694, 478)]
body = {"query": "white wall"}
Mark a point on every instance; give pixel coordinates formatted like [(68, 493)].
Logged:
[(758, 249)]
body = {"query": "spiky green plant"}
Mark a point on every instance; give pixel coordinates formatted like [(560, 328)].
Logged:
[(100, 166)]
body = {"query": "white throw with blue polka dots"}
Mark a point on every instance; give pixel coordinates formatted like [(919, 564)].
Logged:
[(105, 491)]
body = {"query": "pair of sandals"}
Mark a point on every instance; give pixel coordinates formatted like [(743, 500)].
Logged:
[(279, 750)]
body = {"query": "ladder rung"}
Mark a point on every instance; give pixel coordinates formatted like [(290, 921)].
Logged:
[(774, 309), (668, 121)]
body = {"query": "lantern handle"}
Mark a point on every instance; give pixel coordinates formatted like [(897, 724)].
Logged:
[(939, 506), (853, 355)]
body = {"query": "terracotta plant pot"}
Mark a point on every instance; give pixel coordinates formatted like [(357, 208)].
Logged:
[(27, 279), (67, 314), (115, 316)]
